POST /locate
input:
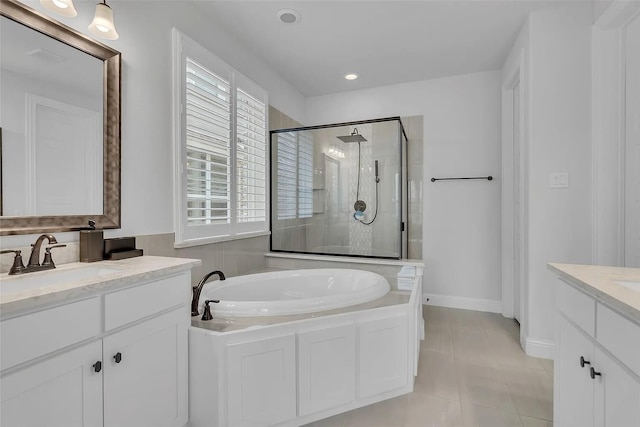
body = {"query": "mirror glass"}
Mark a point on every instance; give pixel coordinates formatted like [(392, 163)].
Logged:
[(51, 99), (59, 126)]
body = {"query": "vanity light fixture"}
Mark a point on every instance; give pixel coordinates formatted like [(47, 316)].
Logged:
[(351, 76), (102, 25), (61, 7)]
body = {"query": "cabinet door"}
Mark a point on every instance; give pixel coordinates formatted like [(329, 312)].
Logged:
[(617, 394), (382, 345), (261, 382), (62, 391), (573, 406), (326, 368), (145, 375)]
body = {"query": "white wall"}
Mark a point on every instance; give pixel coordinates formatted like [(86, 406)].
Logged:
[(147, 147), (557, 46), (461, 222)]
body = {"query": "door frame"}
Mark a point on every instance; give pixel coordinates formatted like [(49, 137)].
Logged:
[(514, 75), (93, 148), (608, 131)]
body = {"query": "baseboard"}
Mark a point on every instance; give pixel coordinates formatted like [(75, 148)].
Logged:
[(464, 303), (539, 348)]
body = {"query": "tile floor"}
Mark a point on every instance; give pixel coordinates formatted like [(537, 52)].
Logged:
[(472, 373)]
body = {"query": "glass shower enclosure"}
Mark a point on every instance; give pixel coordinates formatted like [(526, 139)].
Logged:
[(340, 189)]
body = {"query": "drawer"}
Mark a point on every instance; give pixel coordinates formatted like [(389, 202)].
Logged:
[(36, 334), (576, 306), (619, 336), (132, 304)]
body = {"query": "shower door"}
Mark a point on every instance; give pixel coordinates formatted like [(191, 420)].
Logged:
[(338, 189)]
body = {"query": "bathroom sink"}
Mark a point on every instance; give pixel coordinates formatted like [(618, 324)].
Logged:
[(631, 285), (45, 279)]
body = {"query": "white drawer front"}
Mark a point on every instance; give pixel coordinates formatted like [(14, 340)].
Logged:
[(131, 304), (33, 335), (620, 337), (578, 307)]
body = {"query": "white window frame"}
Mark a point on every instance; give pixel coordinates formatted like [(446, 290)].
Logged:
[(193, 235)]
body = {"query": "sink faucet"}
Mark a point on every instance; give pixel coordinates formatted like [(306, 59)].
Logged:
[(198, 289), (34, 259)]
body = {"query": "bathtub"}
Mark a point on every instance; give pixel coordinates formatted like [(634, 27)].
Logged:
[(293, 292)]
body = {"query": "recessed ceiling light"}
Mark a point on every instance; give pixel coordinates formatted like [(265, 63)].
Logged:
[(288, 16), (351, 76)]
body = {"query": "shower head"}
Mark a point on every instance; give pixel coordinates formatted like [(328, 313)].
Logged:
[(353, 137)]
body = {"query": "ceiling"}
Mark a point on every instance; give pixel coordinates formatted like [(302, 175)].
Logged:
[(384, 42)]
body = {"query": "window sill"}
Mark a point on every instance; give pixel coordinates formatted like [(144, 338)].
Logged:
[(219, 239)]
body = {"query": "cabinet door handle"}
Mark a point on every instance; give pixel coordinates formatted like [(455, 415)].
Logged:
[(97, 367), (118, 357), (594, 373), (584, 362)]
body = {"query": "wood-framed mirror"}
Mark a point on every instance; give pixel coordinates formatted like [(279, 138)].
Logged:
[(89, 171)]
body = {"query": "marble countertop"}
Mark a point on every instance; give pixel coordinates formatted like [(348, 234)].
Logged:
[(125, 273), (238, 323), (601, 282)]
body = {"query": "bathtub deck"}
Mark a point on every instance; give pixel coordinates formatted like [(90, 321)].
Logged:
[(228, 324)]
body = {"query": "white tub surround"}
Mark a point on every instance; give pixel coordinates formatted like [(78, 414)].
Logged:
[(293, 292), (296, 369), (387, 268), (96, 344), (597, 362)]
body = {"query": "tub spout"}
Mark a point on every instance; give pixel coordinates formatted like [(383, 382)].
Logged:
[(198, 289)]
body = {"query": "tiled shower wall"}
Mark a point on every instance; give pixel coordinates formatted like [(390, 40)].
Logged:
[(233, 258)]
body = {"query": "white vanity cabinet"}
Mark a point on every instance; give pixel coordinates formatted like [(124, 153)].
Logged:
[(63, 390), (126, 367), (145, 372), (597, 364)]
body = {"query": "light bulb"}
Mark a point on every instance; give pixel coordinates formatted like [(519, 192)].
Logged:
[(102, 25), (61, 7)]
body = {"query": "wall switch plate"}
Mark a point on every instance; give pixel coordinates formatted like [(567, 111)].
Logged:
[(559, 180)]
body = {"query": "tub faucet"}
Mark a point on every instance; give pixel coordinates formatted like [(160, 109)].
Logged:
[(198, 289)]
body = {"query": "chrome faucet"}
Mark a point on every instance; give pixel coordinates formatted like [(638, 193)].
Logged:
[(198, 289)]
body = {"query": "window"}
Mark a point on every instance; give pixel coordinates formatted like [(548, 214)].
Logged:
[(295, 175), (220, 148)]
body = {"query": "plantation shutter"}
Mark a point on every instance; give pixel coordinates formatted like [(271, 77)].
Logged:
[(208, 149), (251, 156), (221, 168), (295, 175), (287, 175), (305, 175)]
